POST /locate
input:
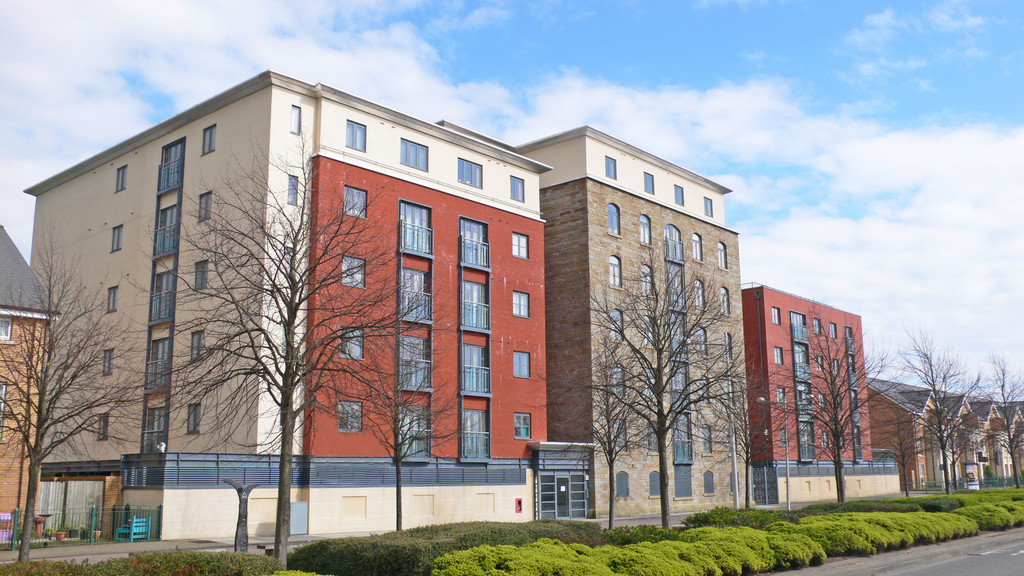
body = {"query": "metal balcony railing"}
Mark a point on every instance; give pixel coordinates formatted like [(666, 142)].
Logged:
[(415, 374), (674, 250), (417, 306), (158, 374), (682, 451), (476, 444), (476, 253), (417, 238), (476, 315), (476, 379), (165, 240), (799, 332), (802, 371), (161, 306), (169, 176)]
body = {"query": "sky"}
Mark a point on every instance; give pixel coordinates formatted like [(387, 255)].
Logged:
[(875, 149)]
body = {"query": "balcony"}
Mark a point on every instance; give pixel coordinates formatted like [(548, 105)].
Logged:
[(165, 240), (476, 316), (682, 451), (161, 307), (169, 176), (476, 380), (158, 374), (674, 250), (476, 444), (417, 306), (417, 239), (414, 375), (799, 332), (802, 372), (476, 253)]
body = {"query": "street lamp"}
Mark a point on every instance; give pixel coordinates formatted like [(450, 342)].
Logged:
[(785, 439)]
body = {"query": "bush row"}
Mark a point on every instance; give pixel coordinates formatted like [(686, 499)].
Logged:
[(412, 552), (176, 563)]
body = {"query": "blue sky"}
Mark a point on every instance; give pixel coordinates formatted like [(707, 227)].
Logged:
[(875, 149)]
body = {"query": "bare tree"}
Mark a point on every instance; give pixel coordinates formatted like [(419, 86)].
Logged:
[(294, 272), (676, 353), (65, 363), (1006, 388), (947, 378)]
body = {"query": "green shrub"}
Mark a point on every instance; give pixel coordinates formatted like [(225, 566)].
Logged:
[(623, 535), (988, 516), (723, 517), (412, 552)]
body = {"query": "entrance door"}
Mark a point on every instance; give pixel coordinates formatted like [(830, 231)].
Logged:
[(562, 497)]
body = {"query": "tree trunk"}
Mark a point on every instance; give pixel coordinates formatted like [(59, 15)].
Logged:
[(28, 519), (840, 481), (398, 494), (611, 495), (283, 525), (663, 480)]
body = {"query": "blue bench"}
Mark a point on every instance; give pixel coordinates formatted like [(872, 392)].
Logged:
[(137, 529)]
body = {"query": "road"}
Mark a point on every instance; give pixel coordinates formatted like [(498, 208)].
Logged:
[(991, 554)]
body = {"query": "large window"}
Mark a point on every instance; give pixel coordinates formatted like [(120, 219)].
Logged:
[(523, 430), (517, 189), (355, 136), (414, 155), (355, 202), (471, 173), (610, 168), (521, 304), (645, 229), (698, 247), (613, 219), (615, 271), (521, 364), (209, 139), (353, 271), (350, 416), (520, 245), (648, 183)]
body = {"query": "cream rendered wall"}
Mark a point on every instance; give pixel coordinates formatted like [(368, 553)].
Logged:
[(383, 155)]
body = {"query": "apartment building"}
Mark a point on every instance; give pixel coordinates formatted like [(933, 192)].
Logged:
[(614, 213), (807, 400), (460, 214)]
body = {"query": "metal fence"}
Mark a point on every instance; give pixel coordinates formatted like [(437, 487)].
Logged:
[(78, 526)]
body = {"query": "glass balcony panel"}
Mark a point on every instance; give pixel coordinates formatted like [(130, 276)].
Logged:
[(476, 315), (476, 253), (169, 176), (476, 444), (476, 379), (417, 238)]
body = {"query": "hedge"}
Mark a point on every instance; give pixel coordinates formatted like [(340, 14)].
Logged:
[(412, 552), (175, 563)]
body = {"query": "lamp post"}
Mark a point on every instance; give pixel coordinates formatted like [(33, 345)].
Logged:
[(785, 440)]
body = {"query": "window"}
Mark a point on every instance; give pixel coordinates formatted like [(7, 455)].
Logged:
[(108, 361), (776, 315), (709, 207), (296, 120), (698, 247), (350, 343), (353, 271), (648, 183), (209, 139), (6, 324), (414, 155), (192, 418), (522, 429), (202, 275), (102, 426), (517, 189), (832, 330), (471, 173), (121, 180), (521, 304), (293, 190), (350, 416), (610, 168), (723, 300), (698, 293), (645, 229), (355, 202), (817, 326), (355, 136), (779, 356), (615, 271), (521, 364), (617, 326), (679, 195), (112, 299), (198, 345), (646, 280), (723, 256), (520, 245), (205, 206), (613, 219), (115, 238)]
